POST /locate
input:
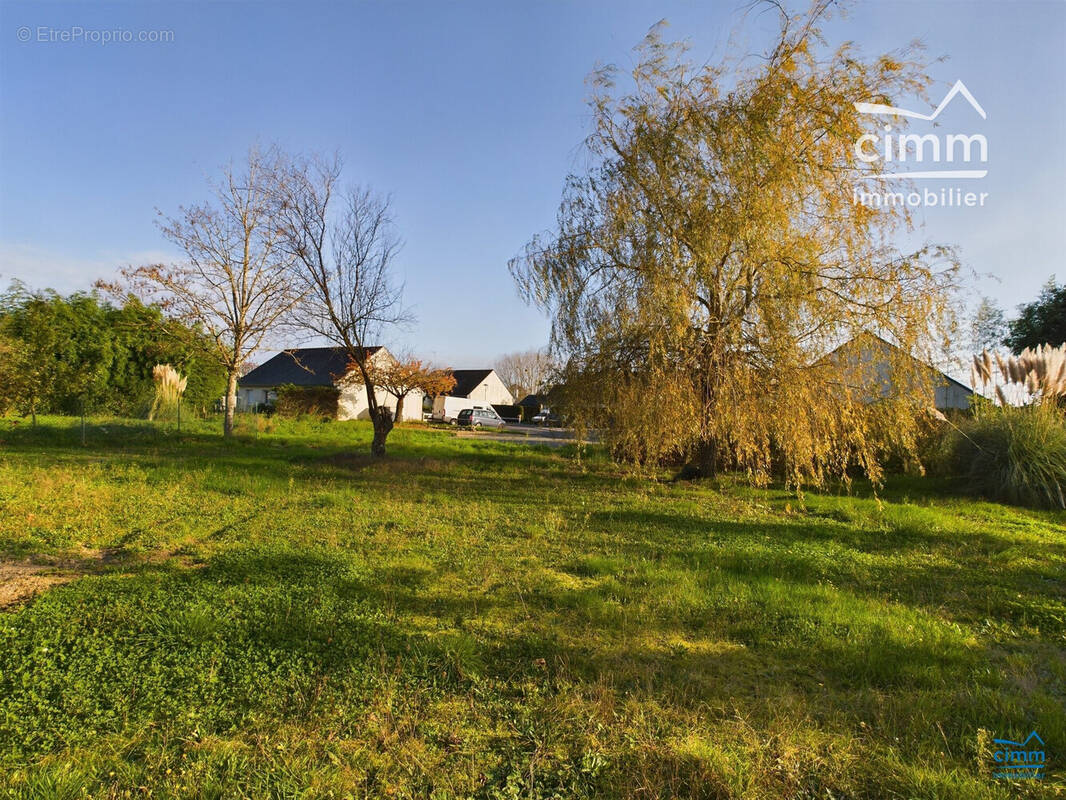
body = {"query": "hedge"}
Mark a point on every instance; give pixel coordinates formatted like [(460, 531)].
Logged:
[(318, 401)]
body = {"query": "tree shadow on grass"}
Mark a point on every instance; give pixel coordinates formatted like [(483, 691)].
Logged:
[(928, 490), (262, 637), (281, 457), (103, 436), (751, 632), (942, 572)]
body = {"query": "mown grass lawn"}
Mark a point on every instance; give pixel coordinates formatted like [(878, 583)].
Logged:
[(280, 617)]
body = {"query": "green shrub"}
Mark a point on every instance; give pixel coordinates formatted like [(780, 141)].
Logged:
[(318, 401), (1017, 455)]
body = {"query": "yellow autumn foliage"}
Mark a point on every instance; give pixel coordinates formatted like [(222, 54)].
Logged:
[(712, 254)]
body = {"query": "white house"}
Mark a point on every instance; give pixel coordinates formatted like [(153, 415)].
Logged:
[(473, 387), (870, 359), (321, 366)]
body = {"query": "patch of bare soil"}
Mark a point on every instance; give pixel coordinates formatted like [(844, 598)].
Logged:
[(20, 582)]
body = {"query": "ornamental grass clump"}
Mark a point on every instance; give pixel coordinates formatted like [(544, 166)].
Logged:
[(169, 387), (1036, 375), (1014, 454), (1014, 447)]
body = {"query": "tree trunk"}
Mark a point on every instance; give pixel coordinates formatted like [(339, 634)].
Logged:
[(382, 418), (709, 458), (399, 409), (708, 461), (231, 404)]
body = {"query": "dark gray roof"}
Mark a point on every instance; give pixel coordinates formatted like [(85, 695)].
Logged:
[(466, 380), (531, 401), (302, 366)]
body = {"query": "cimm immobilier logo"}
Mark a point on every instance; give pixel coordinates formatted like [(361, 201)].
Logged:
[(1019, 760), (937, 157)]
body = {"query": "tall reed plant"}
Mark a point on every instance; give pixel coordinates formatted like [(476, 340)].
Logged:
[(169, 387)]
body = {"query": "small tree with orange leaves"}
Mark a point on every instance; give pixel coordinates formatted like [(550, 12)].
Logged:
[(401, 377)]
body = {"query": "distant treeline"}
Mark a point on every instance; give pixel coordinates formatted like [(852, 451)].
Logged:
[(63, 355)]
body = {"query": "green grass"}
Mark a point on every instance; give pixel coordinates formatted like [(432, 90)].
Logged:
[(279, 617)]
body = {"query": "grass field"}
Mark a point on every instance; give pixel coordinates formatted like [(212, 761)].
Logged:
[(280, 617)]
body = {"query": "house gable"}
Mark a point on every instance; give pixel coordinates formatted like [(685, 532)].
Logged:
[(482, 385), (466, 380), (871, 358)]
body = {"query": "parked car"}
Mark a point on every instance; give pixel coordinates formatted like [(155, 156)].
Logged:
[(480, 418), (446, 409), (546, 417)]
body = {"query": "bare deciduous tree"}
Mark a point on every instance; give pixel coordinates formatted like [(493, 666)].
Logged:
[(344, 245), (526, 372), (236, 282)]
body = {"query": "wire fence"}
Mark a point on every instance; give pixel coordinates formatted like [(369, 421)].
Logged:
[(89, 429)]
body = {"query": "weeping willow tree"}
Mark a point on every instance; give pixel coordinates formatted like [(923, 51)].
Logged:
[(712, 257)]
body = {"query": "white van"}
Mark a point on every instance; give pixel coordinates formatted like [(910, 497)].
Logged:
[(446, 409)]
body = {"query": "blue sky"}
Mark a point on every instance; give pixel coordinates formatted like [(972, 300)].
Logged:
[(469, 113)]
